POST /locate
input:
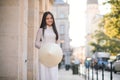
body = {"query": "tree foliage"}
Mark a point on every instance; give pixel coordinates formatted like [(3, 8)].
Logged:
[(104, 43), (112, 20), (107, 39)]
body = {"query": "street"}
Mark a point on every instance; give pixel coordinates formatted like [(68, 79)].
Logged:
[(67, 75)]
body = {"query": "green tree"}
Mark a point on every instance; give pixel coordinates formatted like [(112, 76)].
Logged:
[(112, 20), (103, 43)]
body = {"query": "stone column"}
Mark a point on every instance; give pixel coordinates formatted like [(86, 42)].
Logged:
[(13, 39), (41, 9), (47, 5), (33, 24)]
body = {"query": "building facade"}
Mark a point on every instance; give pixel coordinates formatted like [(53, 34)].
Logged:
[(91, 12), (61, 12), (19, 22)]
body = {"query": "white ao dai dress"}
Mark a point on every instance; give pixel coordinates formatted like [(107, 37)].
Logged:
[(47, 73)]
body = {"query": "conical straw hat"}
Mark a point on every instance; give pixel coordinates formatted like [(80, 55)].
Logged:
[(50, 54)]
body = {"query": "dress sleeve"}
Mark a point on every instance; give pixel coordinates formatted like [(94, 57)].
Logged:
[(39, 35), (38, 38)]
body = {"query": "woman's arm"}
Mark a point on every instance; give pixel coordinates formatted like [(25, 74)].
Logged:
[(38, 38)]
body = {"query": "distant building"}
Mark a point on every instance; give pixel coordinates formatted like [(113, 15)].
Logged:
[(61, 13), (79, 53), (91, 13)]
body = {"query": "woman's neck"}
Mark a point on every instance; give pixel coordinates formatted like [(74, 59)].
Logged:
[(49, 26)]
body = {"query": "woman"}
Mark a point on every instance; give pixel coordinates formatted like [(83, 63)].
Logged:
[(49, 34)]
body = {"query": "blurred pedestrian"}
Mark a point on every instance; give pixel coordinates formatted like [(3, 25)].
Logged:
[(96, 64), (87, 63)]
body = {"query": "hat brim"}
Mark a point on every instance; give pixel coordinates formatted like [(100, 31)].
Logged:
[(50, 55)]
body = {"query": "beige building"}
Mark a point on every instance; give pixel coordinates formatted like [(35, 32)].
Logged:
[(19, 21), (79, 53), (91, 12), (61, 12)]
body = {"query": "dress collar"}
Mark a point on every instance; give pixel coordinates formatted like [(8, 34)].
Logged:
[(48, 27)]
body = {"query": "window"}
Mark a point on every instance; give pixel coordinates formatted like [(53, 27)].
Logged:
[(62, 29), (61, 15)]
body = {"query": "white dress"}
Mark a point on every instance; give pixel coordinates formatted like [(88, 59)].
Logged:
[(47, 73)]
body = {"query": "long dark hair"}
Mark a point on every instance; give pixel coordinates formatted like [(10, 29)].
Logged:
[(43, 23)]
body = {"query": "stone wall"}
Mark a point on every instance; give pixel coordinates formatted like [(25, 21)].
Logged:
[(19, 22), (13, 39)]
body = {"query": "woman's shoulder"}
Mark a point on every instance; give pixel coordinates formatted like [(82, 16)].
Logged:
[(39, 31)]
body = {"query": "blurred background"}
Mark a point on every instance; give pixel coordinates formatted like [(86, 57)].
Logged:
[(89, 33)]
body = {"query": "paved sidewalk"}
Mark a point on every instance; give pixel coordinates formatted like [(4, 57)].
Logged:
[(67, 75)]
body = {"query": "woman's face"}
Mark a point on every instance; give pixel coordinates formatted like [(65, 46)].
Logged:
[(49, 20)]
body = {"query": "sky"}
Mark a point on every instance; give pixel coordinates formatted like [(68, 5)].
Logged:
[(77, 18), (77, 22)]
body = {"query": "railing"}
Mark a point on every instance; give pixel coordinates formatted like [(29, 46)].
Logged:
[(95, 73)]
